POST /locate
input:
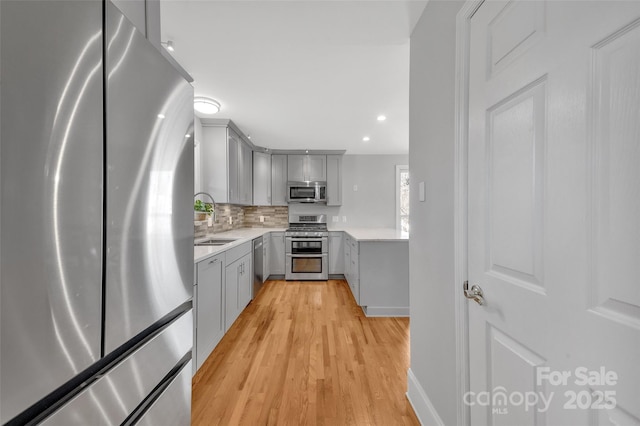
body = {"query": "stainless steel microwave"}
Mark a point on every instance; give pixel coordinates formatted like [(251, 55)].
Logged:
[(306, 192)]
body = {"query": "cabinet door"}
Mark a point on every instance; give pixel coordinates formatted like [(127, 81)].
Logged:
[(334, 180), (232, 287), (296, 168), (245, 283), (316, 167), (347, 258), (336, 253), (233, 163), (277, 253), (279, 180), (214, 162), (209, 322), (247, 174), (261, 179), (355, 272), (266, 253)]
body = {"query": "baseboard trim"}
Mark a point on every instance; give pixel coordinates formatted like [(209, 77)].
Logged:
[(381, 311), (420, 402)]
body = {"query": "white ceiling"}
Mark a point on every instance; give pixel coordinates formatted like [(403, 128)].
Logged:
[(301, 74)]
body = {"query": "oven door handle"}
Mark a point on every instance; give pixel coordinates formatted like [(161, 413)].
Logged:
[(307, 255)]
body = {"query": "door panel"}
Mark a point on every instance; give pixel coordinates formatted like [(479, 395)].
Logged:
[(615, 206), (553, 199), (515, 141)]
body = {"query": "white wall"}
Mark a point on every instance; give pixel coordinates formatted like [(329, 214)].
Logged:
[(373, 204), (431, 256)]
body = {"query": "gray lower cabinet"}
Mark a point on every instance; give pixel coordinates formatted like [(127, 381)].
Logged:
[(266, 254), (276, 254), (278, 180), (209, 321), (238, 288), (354, 269), (336, 253)]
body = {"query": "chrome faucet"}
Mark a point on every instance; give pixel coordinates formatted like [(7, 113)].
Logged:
[(212, 202)]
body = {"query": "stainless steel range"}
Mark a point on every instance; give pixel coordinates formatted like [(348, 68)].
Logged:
[(307, 248)]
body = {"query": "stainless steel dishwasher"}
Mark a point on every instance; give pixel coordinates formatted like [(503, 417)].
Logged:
[(258, 269)]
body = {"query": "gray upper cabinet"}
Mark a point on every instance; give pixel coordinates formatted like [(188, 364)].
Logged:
[(245, 175), (226, 165), (279, 180), (307, 168), (261, 179), (334, 180), (233, 149)]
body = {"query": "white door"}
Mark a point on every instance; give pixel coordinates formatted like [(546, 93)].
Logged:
[(554, 213)]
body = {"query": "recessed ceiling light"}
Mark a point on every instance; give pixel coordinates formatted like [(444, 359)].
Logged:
[(160, 116), (366, 139), (206, 105), (382, 118), (187, 135)]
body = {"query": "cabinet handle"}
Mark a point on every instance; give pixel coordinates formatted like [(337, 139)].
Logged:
[(213, 261)]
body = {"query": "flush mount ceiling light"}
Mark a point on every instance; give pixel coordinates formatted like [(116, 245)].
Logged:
[(206, 105), (381, 118), (168, 45), (366, 139)]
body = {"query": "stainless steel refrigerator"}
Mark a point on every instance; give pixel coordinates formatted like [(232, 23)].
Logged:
[(96, 253)]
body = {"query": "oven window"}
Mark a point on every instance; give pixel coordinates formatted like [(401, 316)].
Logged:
[(302, 192), (306, 265), (306, 247)]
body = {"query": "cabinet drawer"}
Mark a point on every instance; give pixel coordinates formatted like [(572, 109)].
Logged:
[(237, 252)]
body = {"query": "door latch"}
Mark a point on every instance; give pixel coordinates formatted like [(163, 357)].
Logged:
[(475, 293)]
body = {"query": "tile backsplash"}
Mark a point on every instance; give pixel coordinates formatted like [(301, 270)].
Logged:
[(244, 217), (274, 216)]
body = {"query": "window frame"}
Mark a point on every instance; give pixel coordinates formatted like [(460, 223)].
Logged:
[(400, 168)]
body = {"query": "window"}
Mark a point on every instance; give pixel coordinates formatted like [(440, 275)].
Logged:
[(402, 198)]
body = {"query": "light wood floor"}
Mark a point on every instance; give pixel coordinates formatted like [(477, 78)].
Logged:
[(303, 353)]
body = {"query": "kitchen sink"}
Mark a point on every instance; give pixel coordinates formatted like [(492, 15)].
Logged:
[(214, 242)]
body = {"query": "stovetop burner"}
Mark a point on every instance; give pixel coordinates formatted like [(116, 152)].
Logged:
[(307, 225), (293, 227)]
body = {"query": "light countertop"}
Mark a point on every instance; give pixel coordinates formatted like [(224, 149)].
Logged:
[(374, 234), (242, 235)]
